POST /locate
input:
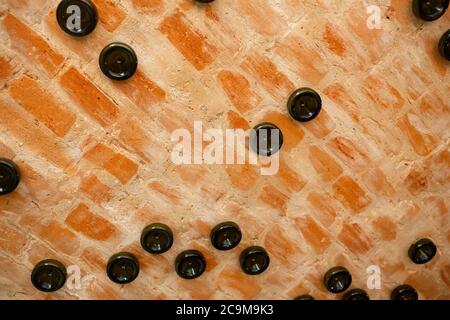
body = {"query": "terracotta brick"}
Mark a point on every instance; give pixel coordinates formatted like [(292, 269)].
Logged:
[(192, 174), (12, 240), (349, 152), (268, 75), (94, 258), (210, 258), (141, 90), (280, 247), (95, 189), (354, 238), (314, 234), (135, 139), (445, 275), (169, 193), (193, 45), (290, 178), (377, 182), (326, 167), (425, 283), (54, 232), (31, 45), (375, 42), (149, 6), (239, 90), (302, 58), (110, 14), (382, 93), (6, 151), (91, 100), (42, 105), (350, 194), (322, 126), (5, 68), (233, 278), (84, 221), (197, 289), (262, 17), (115, 163), (274, 198), (343, 99), (236, 121), (323, 206), (25, 130), (417, 180), (385, 227), (292, 132), (334, 40), (243, 177)]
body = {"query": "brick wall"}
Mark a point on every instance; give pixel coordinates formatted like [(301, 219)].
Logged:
[(356, 186)]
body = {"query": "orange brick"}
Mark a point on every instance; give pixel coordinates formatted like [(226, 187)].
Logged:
[(385, 227), (290, 178), (292, 132), (302, 59), (171, 194), (354, 238), (93, 101), (192, 174), (54, 232), (421, 141), (417, 180), (274, 198), (323, 206), (350, 194), (349, 152), (6, 151), (82, 220), (5, 68), (42, 105), (314, 234), (197, 289), (236, 121), (377, 182), (267, 74), (243, 177), (233, 278), (322, 126), (141, 90), (382, 93), (425, 283), (210, 258), (29, 132), (375, 42), (334, 40), (238, 90), (280, 247), (193, 45), (12, 240), (445, 275), (343, 100), (31, 45), (95, 189), (326, 167), (93, 258), (149, 6), (115, 163), (110, 14), (262, 17), (134, 138)]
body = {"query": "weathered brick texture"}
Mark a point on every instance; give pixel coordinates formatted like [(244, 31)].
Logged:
[(357, 186)]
